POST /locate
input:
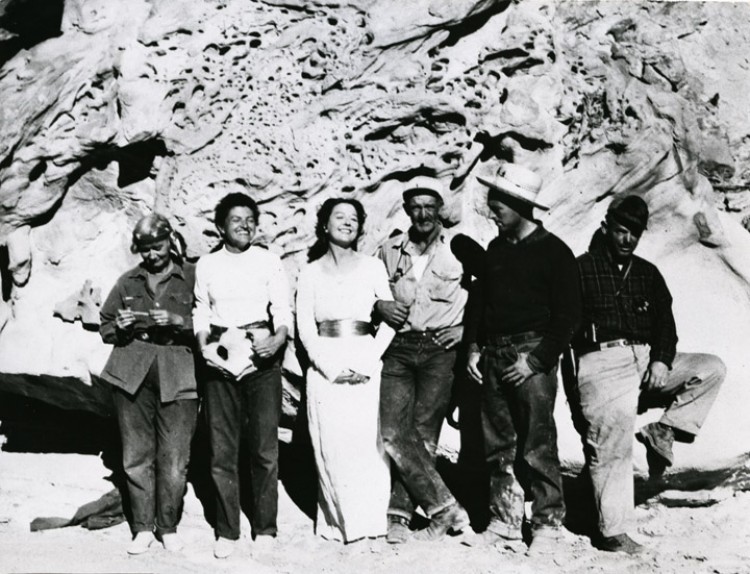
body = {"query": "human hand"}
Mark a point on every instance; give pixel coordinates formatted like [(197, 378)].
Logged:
[(125, 319), (655, 377), (345, 377), (358, 378), (518, 372), (472, 366), (449, 337), (268, 347), (452, 417), (393, 312), (162, 318)]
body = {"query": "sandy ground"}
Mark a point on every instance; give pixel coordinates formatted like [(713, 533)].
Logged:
[(714, 539)]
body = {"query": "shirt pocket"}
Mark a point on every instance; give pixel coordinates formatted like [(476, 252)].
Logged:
[(136, 302), (179, 301), (444, 284)]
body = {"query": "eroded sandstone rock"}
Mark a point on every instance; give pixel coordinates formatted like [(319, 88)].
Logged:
[(170, 104)]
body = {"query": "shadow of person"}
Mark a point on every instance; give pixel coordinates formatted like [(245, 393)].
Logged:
[(297, 470), (468, 478), (199, 470)]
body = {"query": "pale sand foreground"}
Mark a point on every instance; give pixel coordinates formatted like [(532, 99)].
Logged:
[(686, 540)]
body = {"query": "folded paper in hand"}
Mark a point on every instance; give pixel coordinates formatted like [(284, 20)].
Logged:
[(232, 352)]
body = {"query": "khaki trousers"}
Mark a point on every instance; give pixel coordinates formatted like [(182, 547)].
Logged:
[(609, 392)]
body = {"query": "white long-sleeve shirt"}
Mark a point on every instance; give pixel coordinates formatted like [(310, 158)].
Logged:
[(234, 289), (323, 297)]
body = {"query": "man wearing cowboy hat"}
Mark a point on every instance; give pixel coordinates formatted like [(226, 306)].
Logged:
[(627, 362), (527, 309), (427, 314)]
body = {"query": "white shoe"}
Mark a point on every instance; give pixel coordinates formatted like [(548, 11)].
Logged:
[(263, 543), (140, 543), (223, 547), (172, 542)]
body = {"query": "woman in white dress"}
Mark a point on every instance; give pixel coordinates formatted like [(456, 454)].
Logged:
[(336, 293)]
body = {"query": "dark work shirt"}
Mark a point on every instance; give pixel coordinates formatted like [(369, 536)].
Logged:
[(629, 303), (136, 349), (531, 285)]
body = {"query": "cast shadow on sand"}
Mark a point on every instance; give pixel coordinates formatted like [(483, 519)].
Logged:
[(32, 426)]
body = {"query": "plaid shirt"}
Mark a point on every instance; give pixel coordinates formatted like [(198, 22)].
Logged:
[(632, 303)]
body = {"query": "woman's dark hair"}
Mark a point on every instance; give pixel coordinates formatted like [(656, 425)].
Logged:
[(231, 200), (320, 246)]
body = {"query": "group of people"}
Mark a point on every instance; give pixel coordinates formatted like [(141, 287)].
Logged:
[(381, 335)]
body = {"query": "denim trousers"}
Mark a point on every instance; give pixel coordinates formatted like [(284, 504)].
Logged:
[(520, 441), (155, 453), (415, 392), (609, 393), (245, 410)]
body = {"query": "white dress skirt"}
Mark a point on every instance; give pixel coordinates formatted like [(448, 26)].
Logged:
[(353, 470)]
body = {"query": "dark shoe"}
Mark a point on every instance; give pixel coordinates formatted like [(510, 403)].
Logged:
[(619, 543), (398, 530), (452, 519), (497, 532), (658, 439), (545, 540)]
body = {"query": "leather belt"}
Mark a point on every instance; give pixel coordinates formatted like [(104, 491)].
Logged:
[(250, 328), (607, 345), (156, 337), (499, 341), (344, 328)]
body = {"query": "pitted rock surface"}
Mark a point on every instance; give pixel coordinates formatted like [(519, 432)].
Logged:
[(169, 104)]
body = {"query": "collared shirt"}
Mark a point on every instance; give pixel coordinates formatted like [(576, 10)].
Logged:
[(137, 348), (629, 303), (235, 289), (438, 298), (530, 285)]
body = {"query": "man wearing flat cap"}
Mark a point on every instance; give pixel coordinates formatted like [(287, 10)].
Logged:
[(627, 362), (527, 309), (427, 313)]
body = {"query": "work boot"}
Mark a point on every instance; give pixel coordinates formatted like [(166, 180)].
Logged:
[(452, 519), (545, 540), (141, 543), (497, 532), (618, 543), (658, 439), (398, 530)]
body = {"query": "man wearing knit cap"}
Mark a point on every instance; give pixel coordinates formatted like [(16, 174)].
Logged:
[(523, 313), (627, 363)]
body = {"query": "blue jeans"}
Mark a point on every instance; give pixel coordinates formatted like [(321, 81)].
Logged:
[(415, 392), (246, 409), (520, 440), (155, 453)]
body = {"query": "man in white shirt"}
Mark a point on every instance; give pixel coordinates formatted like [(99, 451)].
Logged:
[(242, 286)]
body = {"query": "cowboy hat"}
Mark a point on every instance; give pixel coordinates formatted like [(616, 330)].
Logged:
[(516, 182)]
